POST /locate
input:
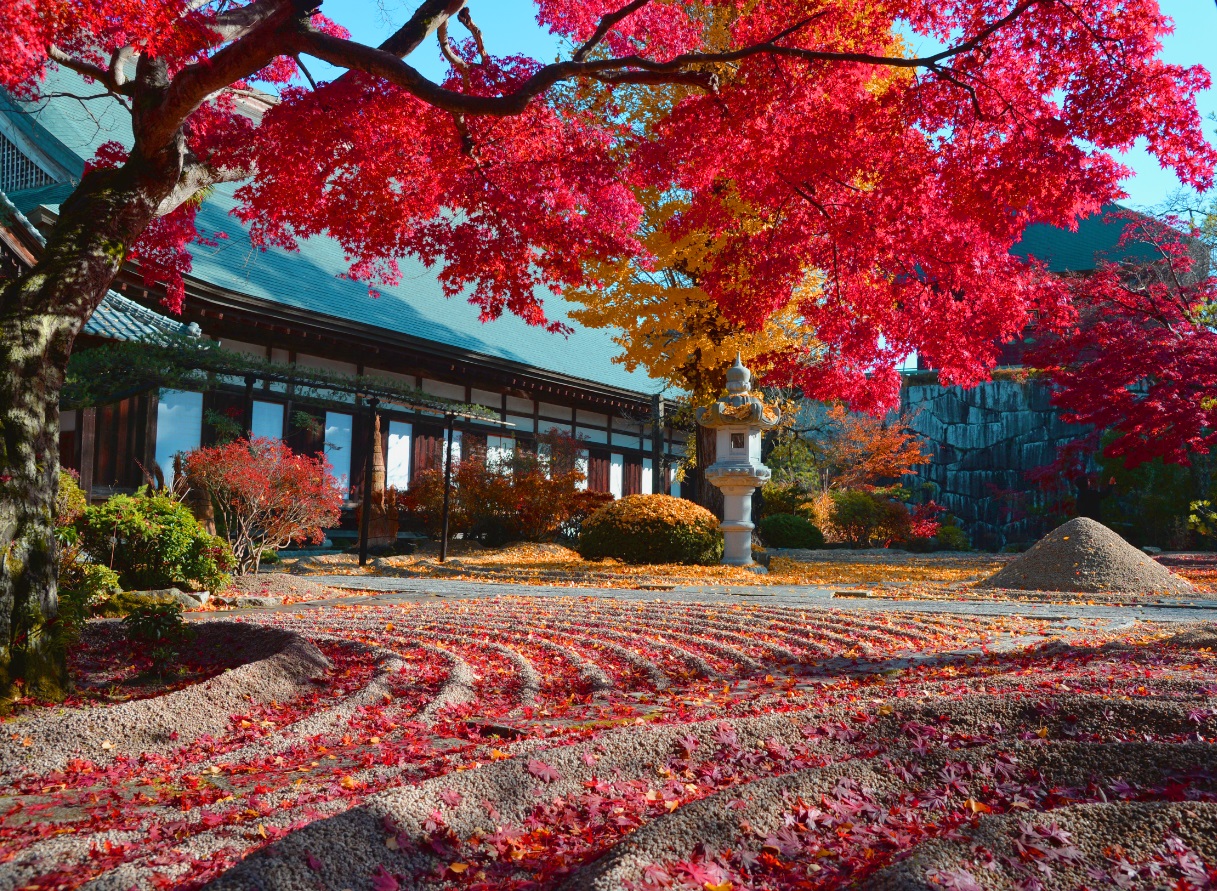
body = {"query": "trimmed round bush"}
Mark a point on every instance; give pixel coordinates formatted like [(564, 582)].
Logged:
[(154, 541), (790, 531), (652, 529)]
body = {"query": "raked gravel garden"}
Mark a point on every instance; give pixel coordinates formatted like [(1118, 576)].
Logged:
[(573, 742)]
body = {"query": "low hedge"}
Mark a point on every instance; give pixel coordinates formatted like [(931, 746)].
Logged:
[(652, 529), (789, 531)]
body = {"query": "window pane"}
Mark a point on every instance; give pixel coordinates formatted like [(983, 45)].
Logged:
[(179, 424), (397, 465), (616, 475), (338, 447), (267, 420)]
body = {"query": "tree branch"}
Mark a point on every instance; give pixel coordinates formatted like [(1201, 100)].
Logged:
[(425, 21), (87, 69), (466, 18), (445, 48), (607, 22), (627, 69)]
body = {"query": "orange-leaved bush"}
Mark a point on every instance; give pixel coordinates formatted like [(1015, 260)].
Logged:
[(652, 529), (266, 496), (529, 496)]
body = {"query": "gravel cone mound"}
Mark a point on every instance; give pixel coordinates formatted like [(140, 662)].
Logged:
[(1086, 557)]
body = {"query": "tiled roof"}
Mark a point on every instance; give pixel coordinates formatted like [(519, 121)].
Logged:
[(311, 279), (1096, 239), (118, 318)]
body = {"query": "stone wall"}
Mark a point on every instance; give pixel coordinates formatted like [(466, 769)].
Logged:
[(984, 441)]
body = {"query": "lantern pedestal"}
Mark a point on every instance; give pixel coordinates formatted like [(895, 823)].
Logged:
[(739, 421)]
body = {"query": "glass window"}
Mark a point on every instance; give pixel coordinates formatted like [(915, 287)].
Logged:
[(397, 465), (617, 475), (267, 420), (581, 465), (338, 447), (647, 478), (499, 450), (179, 425)]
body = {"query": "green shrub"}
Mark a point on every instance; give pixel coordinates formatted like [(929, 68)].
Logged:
[(790, 498), (155, 623), (865, 518), (789, 531), (952, 538), (154, 541), (157, 630), (652, 529)]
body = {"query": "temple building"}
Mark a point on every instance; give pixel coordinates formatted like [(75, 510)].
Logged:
[(299, 308)]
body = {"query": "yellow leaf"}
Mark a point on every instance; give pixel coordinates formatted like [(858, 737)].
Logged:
[(262, 831), (977, 807), (721, 886), (348, 783), (458, 868), (498, 755), (1042, 733), (106, 745)]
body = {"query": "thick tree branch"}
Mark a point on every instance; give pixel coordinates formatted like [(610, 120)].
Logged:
[(89, 70), (607, 23), (425, 21), (683, 68)]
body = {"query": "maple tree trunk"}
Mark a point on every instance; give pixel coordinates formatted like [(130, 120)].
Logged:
[(40, 315)]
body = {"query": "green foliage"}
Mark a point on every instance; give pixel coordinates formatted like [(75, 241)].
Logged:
[(81, 584), (157, 630), (226, 427), (786, 498), (1151, 504), (952, 538), (789, 531), (155, 623), (1203, 519), (652, 529), (154, 541), (71, 502), (865, 519)]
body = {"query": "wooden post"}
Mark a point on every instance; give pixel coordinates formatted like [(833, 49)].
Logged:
[(88, 450), (365, 509), (443, 545), (659, 473), (249, 405)]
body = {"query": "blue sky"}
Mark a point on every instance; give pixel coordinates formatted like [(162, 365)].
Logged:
[(510, 27)]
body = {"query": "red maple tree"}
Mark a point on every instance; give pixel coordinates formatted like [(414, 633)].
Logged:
[(266, 496), (896, 180), (1142, 360)]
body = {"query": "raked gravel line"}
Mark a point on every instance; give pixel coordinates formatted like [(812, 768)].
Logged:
[(1203, 608)]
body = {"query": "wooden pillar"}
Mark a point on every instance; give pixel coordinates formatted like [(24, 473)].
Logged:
[(151, 404), (659, 470), (88, 449)]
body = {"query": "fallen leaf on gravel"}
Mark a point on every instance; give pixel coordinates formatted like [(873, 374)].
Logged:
[(543, 771), (383, 880)]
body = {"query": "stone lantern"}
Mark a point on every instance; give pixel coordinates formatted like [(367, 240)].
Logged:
[(739, 420)]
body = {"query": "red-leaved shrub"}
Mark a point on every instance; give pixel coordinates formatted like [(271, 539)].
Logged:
[(266, 496)]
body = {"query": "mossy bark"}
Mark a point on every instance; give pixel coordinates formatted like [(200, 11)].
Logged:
[(40, 315)]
